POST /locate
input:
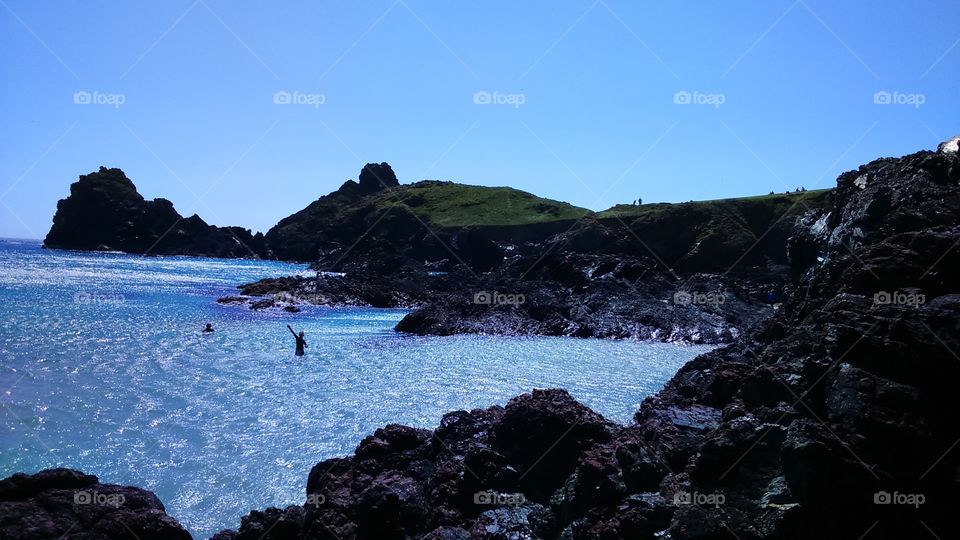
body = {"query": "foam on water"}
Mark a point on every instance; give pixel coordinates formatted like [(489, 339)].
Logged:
[(104, 369)]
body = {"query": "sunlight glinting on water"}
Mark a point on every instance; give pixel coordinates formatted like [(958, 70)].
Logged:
[(105, 370)]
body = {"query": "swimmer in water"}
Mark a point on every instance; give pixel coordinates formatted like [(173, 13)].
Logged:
[(301, 342), (209, 328)]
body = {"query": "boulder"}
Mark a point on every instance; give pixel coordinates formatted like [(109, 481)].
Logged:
[(64, 503)]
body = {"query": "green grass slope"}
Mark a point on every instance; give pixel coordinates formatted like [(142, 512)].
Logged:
[(447, 204)]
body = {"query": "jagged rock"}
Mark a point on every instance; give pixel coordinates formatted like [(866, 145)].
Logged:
[(377, 176), (105, 212), (589, 295), (63, 503)]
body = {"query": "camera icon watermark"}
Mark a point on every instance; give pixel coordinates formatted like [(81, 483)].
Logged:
[(483, 97), (498, 499), (684, 97), (494, 298), (711, 298), (883, 97), (84, 97), (899, 298), (87, 298), (296, 97), (714, 499), (115, 500), (906, 499)]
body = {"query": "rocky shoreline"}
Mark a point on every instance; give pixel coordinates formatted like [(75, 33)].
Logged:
[(579, 295), (832, 418)]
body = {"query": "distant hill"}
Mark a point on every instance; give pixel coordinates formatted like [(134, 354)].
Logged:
[(419, 220), (379, 225)]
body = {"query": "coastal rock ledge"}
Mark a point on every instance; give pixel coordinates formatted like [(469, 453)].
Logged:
[(68, 504), (832, 419)]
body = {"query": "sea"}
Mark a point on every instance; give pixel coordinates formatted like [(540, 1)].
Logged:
[(104, 368)]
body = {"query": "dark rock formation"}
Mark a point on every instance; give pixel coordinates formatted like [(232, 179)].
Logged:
[(722, 236), (591, 295), (105, 212), (362, 289), (377, 176), (588, 295), (63, 503), (451, 483)]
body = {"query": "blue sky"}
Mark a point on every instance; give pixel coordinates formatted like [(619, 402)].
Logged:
[(576, 101)]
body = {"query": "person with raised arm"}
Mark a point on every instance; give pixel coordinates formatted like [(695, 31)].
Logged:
[(301, 342)]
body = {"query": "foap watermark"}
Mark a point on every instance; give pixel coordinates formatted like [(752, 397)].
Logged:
[(494, 298), (498, 499), (714, 499), (86, 298), (297, 97), (83, 97), (906, 499), (711, 298), (316, 500), (899, 298), (884, 97), (100, 499), (484, 97), (684, 97)]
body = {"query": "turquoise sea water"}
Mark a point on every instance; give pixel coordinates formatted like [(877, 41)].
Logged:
[(103, 368)]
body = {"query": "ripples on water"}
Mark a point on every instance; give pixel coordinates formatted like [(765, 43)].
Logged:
[(104, 369)]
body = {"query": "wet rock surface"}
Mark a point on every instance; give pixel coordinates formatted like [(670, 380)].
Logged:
[(581, 295), (592, 295)]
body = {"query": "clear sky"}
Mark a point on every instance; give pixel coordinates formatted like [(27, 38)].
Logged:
[(590, 102)]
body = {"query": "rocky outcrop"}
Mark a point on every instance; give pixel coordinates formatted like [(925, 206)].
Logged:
[(105, 212), (592, 295), (361, 290), (486, 473), (377, 176), (830, 420), (588, 295), (63, 503)]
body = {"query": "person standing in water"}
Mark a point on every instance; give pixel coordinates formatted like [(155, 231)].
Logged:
[(301, 342)]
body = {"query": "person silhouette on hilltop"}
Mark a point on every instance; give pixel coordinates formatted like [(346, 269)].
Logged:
[(301, 342)]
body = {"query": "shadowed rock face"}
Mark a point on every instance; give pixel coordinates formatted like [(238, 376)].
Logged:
[(62, 503), (377, 176), (105, 212), (591, 295)]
